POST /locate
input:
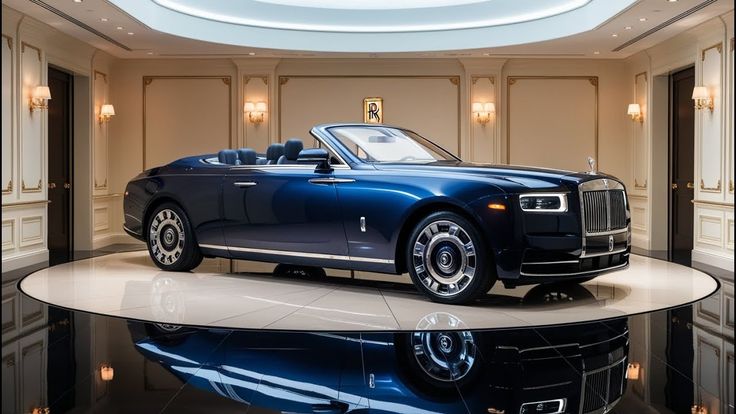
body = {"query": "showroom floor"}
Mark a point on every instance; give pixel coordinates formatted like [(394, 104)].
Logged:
[(340, 345)]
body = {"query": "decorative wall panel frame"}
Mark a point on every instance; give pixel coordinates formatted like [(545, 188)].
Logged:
[(31, 186), (7, 188), (641, 98), (11, 243), (708, 120), (31, 240)]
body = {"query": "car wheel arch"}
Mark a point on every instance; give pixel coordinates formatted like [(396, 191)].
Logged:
[(418, 213)]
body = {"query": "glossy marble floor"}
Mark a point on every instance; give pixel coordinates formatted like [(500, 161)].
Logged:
[(129, 285), (72, 361)]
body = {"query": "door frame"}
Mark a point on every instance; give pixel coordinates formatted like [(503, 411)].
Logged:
[(70, 168)]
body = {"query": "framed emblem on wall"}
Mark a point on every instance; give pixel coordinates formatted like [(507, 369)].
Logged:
[(373, 110)]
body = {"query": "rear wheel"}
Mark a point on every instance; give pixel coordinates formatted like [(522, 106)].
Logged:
[(171, 241), (448, 260)]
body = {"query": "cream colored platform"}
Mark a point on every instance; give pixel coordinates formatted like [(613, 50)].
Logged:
[(128, 285)]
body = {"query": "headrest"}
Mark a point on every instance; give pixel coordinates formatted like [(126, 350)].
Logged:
[(228, 156), (274, 152), (247, 156), (292, 148)]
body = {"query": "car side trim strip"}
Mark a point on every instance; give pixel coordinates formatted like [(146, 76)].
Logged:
[(298, 254)]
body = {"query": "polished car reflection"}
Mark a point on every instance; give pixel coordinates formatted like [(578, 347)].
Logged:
[(575, 368)]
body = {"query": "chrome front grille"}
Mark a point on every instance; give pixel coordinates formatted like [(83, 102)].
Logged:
[(604, 210), (603, 387)]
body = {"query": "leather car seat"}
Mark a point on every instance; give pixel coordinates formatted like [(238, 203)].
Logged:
[(273, 153), (292, 148), (228, 156), (247, 156)]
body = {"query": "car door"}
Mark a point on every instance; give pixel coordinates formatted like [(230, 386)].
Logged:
[(282, 210)]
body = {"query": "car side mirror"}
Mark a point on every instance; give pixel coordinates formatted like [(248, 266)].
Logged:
[(312, 155)]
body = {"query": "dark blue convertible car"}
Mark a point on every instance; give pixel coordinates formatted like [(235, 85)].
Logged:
[(382, 199)]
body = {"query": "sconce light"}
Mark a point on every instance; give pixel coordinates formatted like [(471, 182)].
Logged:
[(106, 372), (702, 98), (40, 98), (41, 410), (635, 112), (106, 112), (698, 409), (256, 111), (483, 111), (632, 371)]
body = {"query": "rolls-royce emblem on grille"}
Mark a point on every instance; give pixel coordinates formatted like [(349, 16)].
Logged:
[(610, 243)]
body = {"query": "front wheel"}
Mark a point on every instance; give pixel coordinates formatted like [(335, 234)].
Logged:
[(171, 241), (448, 260)]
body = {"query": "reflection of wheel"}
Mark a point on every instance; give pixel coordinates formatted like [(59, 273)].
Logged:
[(168, 334), (447, 259), (437, 363), (557, 293), (300, 272), (171, 241)]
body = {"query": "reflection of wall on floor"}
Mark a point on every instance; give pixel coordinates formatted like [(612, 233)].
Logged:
[(433, 96)]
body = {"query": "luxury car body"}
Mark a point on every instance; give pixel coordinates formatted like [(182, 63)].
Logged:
[(568, 369), (384, 199)]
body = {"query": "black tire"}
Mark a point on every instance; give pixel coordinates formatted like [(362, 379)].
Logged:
[(170, 239), (447, 259)]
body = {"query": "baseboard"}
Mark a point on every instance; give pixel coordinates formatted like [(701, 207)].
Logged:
[(113, 238), (723, 262), (25, 259)]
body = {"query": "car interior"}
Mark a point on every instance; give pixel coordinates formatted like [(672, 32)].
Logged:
[(277, 153)]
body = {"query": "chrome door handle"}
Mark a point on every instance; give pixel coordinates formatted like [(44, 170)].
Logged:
[(331, 180), (674, 186), (52, 186), (67, 185), (245, 183)]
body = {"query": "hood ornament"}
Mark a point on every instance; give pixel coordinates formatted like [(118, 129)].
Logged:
[(591, 164)]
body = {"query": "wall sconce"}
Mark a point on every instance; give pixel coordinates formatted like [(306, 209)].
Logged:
[(40, 98), (483, 111), (702, 98), (698, 409), (106, 372), (635, 112), (107, 111), (256, 111), (632, 371)]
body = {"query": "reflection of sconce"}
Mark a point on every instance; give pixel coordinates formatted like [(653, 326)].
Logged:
[(702, 98), (256, 111), (635, 112), (41, 410), (40, 98), (106, 112), (106, 372), (698, 409), (483, 111), (632, 371)]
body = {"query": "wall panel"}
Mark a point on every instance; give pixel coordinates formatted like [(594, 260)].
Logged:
[(8, 120), (100, 132), (429, 105), (483, 144), (185, 115), (710, 160), (32, 142), (552, 121), (641, 141), (256, 89)]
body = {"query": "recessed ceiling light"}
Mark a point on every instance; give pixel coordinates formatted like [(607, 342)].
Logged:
[(251, 53), (627, 28), (149, 53), (614, 35), (104, 19), (131, 33), (78, 1), (486, 54), (671, 1), (596, 52), (642, 19), (119, 27)]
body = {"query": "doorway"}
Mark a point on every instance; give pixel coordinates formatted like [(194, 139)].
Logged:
[(60, 124), (682, 168)]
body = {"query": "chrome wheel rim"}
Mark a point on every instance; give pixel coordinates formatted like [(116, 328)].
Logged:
[(444, 356), (166, 236), (444, 258), (167, 327)]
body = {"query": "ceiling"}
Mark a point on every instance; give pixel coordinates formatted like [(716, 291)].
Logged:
[(376, 28)]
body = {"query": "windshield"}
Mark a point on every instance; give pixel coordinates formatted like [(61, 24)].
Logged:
[(385, 144)]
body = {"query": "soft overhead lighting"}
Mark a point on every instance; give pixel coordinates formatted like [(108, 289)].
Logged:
[(40, 97), (702, 98), (635, 112), (251, 53), (104, 19), (107, 111), (614, 35), (131, 33), (483, 111), (627, 28), (642, 19), (256, 111), (119, 27), (596, 52), (78, 1)]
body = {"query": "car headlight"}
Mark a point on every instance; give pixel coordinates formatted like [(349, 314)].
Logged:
[(544, 202)]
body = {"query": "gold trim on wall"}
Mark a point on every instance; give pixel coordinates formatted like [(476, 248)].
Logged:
[(716, 189), (9, 188), (10, 41), (511, 80), (101, 186), (491, 78), (24, 45), (226, 79), (263, 78), (26, 203), (37, 189), (718, 46), (103, 75), (712, 203), (641, 74), (640, 186), (454, 79)]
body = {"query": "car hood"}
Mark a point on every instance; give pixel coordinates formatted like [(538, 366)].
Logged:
[(531, 177)]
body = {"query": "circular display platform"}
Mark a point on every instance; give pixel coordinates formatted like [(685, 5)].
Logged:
[(128, 285)]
